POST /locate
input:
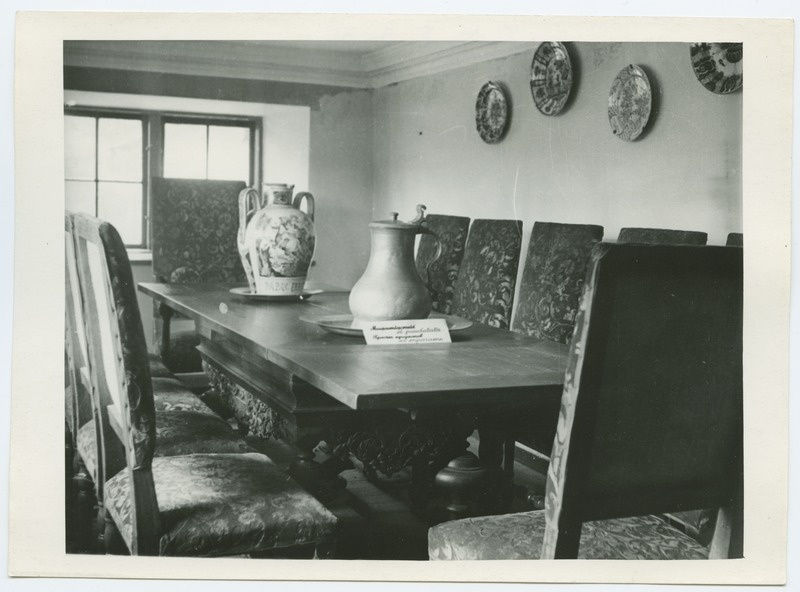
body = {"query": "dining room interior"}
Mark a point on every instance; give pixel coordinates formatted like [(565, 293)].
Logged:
[(414, 300)]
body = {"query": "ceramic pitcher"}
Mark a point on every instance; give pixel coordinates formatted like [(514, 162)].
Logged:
[(278, 241), (391, 288)]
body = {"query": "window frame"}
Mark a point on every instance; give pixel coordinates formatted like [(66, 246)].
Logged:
[(98, 114), (153, 122)]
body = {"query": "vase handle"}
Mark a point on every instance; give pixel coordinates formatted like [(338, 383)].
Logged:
[(298, 199), (247, 196)]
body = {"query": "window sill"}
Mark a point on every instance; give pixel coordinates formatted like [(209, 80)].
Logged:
[(140, 255)]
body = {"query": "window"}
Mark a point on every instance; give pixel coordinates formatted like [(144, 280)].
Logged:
[(104, 171), (111, 155)]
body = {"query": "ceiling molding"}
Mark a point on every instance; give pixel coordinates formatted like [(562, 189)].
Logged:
[(259, 60)]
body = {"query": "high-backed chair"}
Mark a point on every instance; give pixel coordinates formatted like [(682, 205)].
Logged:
[(441, 276), (661, 236), (194, 225), (735, 239), (200, 504), (552, 280), (484, 290), (185, 424), (650, 419)]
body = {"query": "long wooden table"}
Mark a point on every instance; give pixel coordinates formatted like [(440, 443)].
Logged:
[(389, 405)]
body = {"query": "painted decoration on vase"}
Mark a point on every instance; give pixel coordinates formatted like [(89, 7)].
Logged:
[(491, 113), (280, 242), (551, 77), (718, 66), (629, 103)]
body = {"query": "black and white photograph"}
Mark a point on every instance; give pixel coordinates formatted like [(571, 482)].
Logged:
[(416, 302)]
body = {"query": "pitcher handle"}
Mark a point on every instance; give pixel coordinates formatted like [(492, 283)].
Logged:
[(436, 256), (298, 199), (246, 196)]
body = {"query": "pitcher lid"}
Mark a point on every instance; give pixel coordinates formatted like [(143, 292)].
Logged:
[(399, 224)]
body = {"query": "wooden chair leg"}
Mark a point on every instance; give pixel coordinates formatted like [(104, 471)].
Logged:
[(114, 543), (325, 550), (83, 510)]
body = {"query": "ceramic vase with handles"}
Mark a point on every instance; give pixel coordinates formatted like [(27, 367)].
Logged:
[(391, 288), (278, 241)]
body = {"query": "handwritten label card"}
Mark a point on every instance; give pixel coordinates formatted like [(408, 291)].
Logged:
[(413, 331)]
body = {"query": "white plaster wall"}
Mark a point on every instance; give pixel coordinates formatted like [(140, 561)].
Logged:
[(341, 181), (685, 172)]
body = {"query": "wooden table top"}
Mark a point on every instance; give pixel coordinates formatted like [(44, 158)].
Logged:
[(482, 366)]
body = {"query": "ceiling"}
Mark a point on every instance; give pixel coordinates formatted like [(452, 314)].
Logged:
[(359, 64)]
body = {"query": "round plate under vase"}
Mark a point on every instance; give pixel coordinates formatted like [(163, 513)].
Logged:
[(551, 77), (491, 113), (718, 66), (630, 102), (245, 293)]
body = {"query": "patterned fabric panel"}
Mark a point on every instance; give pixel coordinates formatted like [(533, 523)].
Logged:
[(484, 290), (195, 223), (190, 432), (520, 536), (171, 395), (735, 239), (157, 367), (183, 355), (552, 279), (441, 277), (213, 505), (660, 236), (86, 444)]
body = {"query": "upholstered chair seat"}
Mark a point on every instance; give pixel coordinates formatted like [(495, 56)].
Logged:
[(214, 505), (177, 432), (520, 536)]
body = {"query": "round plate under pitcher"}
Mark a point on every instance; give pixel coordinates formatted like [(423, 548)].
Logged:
[(343, 324), (246, 293)]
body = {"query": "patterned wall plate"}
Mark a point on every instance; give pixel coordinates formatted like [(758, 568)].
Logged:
[(718, 66), (551, 77), (491, 113), (629, 103)]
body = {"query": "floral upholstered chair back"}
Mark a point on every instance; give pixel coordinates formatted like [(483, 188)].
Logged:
[(194, 227), (661, 236), (440, 277), (552, 279), (656, 359), (118, 369), (484, 290)]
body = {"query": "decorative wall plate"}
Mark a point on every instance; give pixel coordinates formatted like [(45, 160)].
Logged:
[(718, 66), (344, 325), (245, 292), (491, 113), (551, 77), (629, 103)]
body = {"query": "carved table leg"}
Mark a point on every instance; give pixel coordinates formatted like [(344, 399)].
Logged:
[(464, 479)]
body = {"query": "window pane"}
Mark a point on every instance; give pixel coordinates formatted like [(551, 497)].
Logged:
[(185, 151), (121, 205), (79, 147), (119, 149), (229, 153), (80, 196)]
